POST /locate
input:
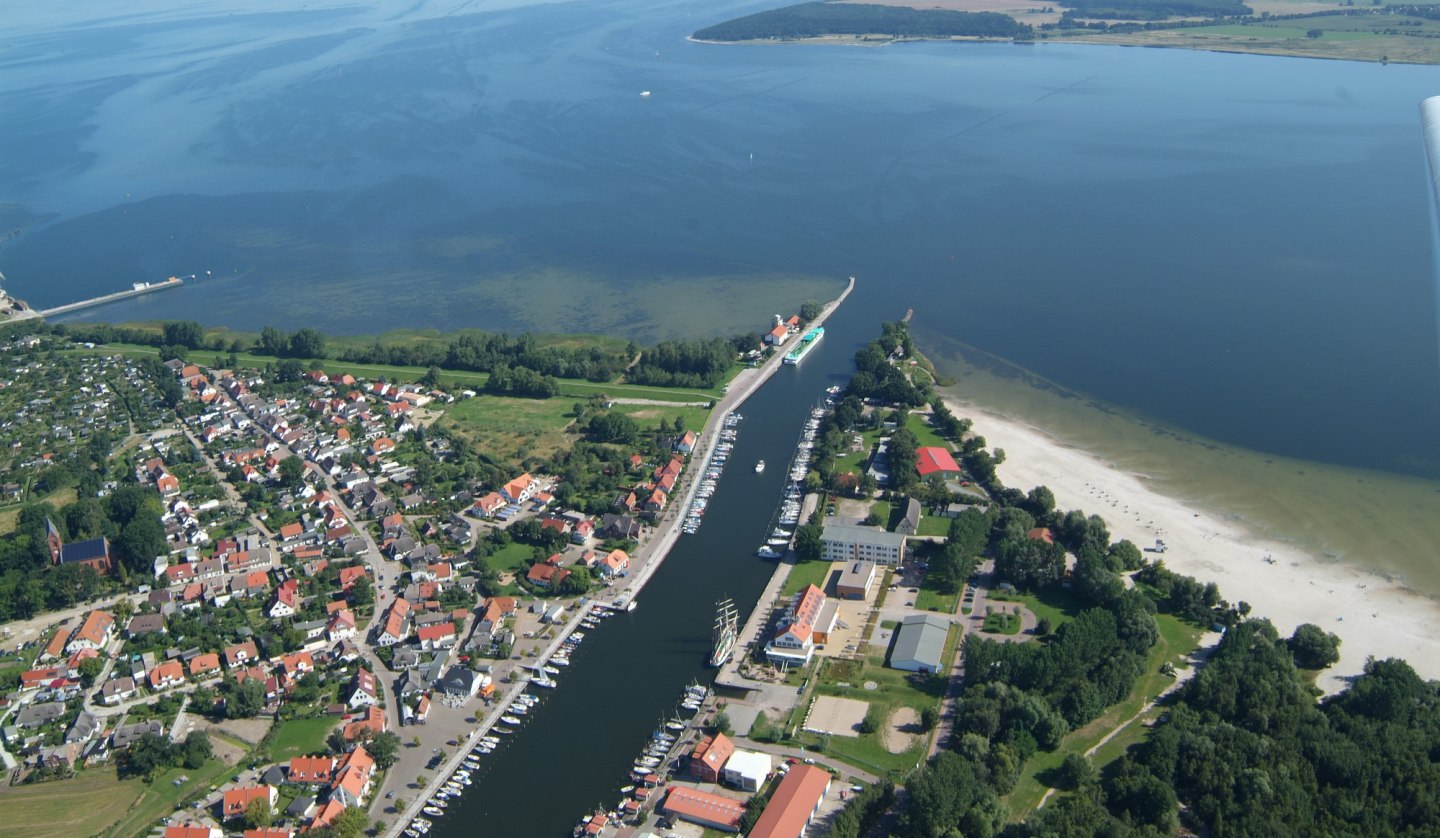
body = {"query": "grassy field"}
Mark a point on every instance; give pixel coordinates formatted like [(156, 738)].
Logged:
[(1269, 31), (806, 573), (932, 599), (648, 416), (1177, 640), (10, 516), (162, 797), (1388, 38), (298, 737), (85, 805), (894, 689), (512, 429), (937, 525)]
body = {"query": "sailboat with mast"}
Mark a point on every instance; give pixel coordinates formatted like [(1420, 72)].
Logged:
[(727, 630)]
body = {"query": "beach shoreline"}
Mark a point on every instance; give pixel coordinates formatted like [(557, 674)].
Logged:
[(1375, 615)]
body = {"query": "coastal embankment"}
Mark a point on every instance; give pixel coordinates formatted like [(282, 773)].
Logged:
[(1374, 615)]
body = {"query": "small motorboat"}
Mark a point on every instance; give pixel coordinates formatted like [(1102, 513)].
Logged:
[(510, 720), (433, 811)]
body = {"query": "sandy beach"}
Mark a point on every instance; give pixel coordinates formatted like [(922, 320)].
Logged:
[(1373, 615)]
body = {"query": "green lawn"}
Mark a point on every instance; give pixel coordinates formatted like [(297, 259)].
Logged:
[(853, 462), (298, 737), (1177, 640), (512, 558), (937, 525), (1059, 605), (925, 435), (885, 511), (806, 573), (1002, 624), (932, 599)]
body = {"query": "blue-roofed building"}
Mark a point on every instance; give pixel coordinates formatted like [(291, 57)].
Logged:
[(94, 552)]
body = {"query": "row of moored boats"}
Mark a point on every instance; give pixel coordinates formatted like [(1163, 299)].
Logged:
[(790, 506), (651, 763), (510, 721), (710, 473)]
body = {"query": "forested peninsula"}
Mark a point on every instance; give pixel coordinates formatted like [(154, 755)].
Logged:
[(821, 19)]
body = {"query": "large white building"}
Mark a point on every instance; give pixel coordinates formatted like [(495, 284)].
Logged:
[(746, 770), (866, 544)]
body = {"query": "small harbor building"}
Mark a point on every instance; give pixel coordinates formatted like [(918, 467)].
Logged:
[(841, 543), (708, 758), (746, 770), (920, 643), (794, 803), (704, 808), (856, 579), (808, 623)]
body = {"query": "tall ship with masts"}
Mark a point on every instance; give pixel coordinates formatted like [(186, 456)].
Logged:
[(727, 630)]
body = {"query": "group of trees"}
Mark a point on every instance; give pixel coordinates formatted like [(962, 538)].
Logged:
[(684, 363), (521, 381), (1154, 9), (808, 20), (469, 350), (955, 561), (876, 378), (1247, 750), (29, 584), (303, 343), (151, 753)]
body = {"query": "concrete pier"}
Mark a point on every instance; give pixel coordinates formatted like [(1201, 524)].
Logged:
[(69, 308)]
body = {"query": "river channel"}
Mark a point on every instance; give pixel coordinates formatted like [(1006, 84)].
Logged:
[(575, 750)]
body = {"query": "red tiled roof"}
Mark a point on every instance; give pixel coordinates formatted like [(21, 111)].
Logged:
[(310, 769), (204, 663), (237, 799), (698, 805), (792, 803), (435, 632)]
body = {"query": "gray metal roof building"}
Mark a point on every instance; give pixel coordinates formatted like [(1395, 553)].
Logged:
[(920, 643)]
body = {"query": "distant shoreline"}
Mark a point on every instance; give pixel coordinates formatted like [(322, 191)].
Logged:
[(1382, 34)]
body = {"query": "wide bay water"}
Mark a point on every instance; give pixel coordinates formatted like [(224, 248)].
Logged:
[(1234, 245), (1238, 245)]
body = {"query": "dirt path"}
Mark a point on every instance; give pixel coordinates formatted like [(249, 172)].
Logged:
[(897, 739)]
